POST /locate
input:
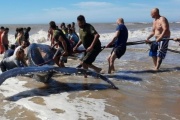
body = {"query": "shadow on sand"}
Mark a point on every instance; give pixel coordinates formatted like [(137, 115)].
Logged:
[(124, 77), (162, 70), (56, 87), (136, 79)]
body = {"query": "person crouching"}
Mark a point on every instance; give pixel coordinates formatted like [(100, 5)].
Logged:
[(13, 61)]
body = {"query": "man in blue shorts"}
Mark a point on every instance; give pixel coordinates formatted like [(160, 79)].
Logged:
[(153, 51), (119, 40), (160, 30)]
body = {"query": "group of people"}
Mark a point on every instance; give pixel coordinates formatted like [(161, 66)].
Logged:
[(22, 34), (14, 56), (89, 37), (64, 44), (69, 31)]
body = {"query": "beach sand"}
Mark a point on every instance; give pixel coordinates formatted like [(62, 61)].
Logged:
[(143, 94)]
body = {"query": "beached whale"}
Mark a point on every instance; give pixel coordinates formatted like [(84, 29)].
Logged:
[(38, 54), (53, 70)]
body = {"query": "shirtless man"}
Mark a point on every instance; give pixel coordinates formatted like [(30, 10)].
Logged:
[(4, 39), (1, 46), (160, 30)]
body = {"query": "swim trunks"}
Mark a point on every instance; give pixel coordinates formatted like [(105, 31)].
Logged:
[(153, 49), (90, 57), (159, 49), (119, 51), (59, 54), (163, 47)]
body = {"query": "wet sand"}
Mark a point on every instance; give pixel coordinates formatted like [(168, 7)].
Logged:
[(143, 94)]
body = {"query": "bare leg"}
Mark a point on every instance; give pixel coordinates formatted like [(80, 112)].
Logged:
[(97, 69), (56, 60), (85, 66), (158, 64), (111, 62), (154, 60), (61, 64)]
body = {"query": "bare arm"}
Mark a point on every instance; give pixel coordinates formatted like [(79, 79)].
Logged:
[(18, 38), (114, 38), (24, 62), (64, 45), (78, 44), (176, 39), (96, 37), (54, 45), (152, 33)]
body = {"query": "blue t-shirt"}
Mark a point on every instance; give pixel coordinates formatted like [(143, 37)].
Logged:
[(123, 36)]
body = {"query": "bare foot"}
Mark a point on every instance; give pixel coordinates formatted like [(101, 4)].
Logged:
[(109, 71), (98, 70), (155, 69), (85, 76)]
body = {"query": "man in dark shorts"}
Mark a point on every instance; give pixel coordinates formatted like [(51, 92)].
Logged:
[(64, 49), (119, 41), (90, 40)]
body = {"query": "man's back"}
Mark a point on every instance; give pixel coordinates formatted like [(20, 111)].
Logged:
[(123, 36)]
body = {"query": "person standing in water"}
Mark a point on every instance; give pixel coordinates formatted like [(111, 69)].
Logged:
[(1, 46), (160, 30), (4, 39), (90, 40), (119, 40), (60, 57)]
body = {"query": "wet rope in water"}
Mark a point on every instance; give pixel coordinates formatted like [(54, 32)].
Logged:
[(174, 51), (128, 44)]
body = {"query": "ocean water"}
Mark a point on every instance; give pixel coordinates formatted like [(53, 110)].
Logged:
[(137, 31), (143, 94)]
